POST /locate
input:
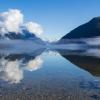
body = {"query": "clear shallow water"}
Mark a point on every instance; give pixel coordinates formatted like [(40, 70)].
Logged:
[(49, 75)]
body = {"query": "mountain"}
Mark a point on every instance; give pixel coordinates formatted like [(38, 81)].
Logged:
[(87, 30), (24, 35)]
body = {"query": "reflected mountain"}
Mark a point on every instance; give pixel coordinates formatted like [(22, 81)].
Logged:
[(12, 66), (84, 59)]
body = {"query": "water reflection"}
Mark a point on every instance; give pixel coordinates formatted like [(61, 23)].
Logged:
[(88, 59), (11, 71), (12, 66), (48, 75)]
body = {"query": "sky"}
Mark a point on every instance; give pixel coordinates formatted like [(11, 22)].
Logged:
[(57, 17)]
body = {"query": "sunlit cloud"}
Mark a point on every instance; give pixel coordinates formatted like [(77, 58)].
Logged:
[(13, 21), (34, 28)]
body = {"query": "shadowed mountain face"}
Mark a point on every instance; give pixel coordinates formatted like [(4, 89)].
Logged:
[(88, 30), (24, 35), (88, 63)]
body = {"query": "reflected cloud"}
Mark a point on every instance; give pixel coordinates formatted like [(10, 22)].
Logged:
[(93, 52), (12, 70), (35, 64), (53, 53)]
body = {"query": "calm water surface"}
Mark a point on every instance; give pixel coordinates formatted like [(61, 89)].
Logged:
[(49, 75)]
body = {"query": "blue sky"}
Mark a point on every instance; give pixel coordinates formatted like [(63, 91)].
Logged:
[(57, 17)]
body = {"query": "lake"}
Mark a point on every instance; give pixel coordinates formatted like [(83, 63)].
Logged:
[(50, 75)]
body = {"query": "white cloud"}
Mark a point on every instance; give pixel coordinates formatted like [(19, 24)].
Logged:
[(34, 28), (93, 41), (13, 21)]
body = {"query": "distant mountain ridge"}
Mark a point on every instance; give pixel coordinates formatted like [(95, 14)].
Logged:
[(23, 35), (87, 30)]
